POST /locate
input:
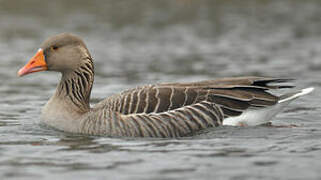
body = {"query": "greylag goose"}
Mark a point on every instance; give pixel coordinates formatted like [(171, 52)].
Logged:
[(160, 110)]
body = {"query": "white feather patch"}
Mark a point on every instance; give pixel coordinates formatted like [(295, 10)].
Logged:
[(254, 117)]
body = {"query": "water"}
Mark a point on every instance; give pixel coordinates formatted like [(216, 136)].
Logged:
[(138, 42)]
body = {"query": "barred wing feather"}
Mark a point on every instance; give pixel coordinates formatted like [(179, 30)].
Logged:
[(232, 95)]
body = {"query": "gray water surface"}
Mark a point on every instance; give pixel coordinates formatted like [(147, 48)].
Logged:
[(139, 42)]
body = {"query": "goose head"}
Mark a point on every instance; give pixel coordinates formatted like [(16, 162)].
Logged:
[(61, 53)]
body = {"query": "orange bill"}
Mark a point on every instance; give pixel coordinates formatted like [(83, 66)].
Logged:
[(36, 63)]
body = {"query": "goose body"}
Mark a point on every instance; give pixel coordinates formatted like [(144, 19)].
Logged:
[(160, 110)]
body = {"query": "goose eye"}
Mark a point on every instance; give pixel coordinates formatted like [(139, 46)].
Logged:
[(54, 47)]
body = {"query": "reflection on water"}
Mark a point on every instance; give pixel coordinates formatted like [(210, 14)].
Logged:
[(137, 42)]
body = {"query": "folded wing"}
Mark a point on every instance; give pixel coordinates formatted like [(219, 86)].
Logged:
[(232, 95)]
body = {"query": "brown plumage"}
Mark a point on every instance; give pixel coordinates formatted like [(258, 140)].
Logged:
[(161, 110)]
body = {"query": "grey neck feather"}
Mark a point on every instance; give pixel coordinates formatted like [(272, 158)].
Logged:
[(76, 86)]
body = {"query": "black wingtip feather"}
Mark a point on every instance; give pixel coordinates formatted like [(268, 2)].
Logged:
[(266, 82)]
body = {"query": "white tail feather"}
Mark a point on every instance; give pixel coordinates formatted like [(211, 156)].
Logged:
[(253, 117), (296, 95)]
